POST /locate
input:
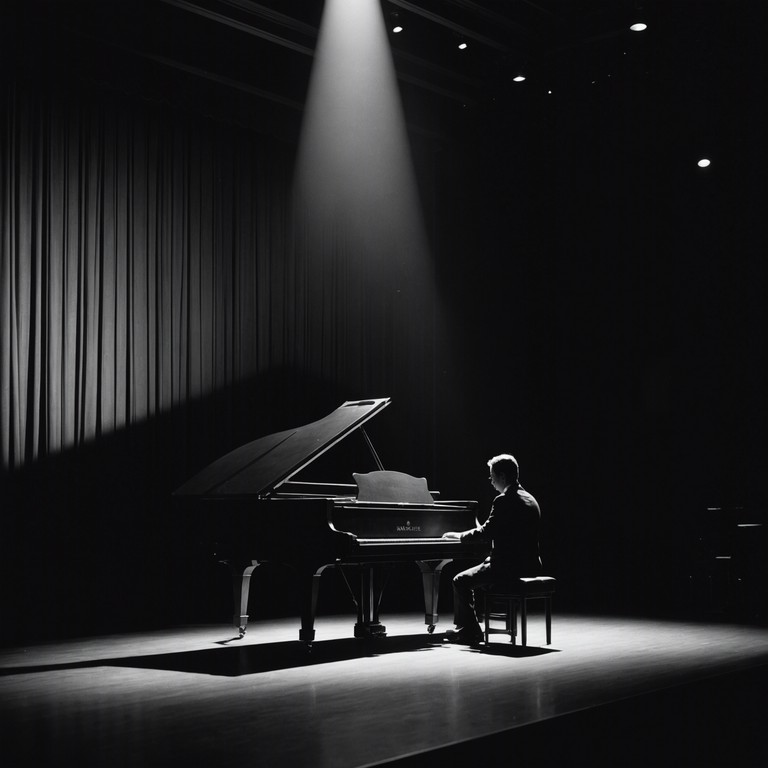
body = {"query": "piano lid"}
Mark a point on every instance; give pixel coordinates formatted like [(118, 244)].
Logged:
[(259, 467)]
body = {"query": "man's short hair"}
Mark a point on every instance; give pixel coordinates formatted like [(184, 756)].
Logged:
[(505, 464)]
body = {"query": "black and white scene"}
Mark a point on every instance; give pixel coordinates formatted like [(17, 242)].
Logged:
[(383, 383)]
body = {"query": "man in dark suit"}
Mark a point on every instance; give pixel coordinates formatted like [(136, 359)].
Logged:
[(512, 528)]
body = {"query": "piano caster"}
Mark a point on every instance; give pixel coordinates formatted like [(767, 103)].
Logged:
[(242, 631), (431, 628)]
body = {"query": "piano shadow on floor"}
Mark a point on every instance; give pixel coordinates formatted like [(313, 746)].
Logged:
[(237, 660)]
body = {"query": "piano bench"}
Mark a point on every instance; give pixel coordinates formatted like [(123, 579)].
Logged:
[(501, 602)]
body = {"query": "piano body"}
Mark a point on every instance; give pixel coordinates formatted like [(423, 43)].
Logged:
[(252, 506)]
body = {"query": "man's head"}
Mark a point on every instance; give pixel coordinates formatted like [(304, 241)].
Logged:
[(504, 471)]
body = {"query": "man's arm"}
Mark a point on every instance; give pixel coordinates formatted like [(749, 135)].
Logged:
[(460, 535), (484, 530)]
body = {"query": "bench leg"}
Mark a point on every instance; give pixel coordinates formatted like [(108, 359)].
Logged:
[(513, 616), (548, 602), (524, 620)]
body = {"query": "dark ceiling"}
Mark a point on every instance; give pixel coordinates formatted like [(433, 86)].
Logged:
[(703, 56)]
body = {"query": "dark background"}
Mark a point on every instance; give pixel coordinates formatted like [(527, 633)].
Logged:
[(604, 318)]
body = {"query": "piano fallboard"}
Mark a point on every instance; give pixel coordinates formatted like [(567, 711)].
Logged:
[(393, 521)]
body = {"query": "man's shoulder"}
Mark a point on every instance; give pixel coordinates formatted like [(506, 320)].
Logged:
[(526, 498), (515, 498)]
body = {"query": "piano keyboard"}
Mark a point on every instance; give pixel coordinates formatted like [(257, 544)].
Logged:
[(422, 540)]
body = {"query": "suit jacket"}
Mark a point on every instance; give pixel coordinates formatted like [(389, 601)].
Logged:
[(513, 526)]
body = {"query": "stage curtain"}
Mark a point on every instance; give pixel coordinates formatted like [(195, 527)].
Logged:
[(129, 281), (150, 258)]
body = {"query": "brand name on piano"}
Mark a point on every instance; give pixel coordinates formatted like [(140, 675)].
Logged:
[(408, 527)]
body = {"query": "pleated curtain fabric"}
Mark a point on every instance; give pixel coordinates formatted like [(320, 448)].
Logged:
[(152, 257)]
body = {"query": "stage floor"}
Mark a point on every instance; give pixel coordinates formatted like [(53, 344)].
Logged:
[(197, 695)]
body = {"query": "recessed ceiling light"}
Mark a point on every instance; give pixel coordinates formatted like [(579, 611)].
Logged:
[(638, 26)]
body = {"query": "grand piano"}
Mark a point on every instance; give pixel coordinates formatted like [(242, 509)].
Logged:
[(257, 512)]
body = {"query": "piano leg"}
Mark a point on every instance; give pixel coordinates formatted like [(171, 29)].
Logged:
[(430, 575), (241, 585), (309, 605)]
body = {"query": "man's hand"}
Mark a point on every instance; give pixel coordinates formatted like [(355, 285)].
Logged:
[(451, 535)]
